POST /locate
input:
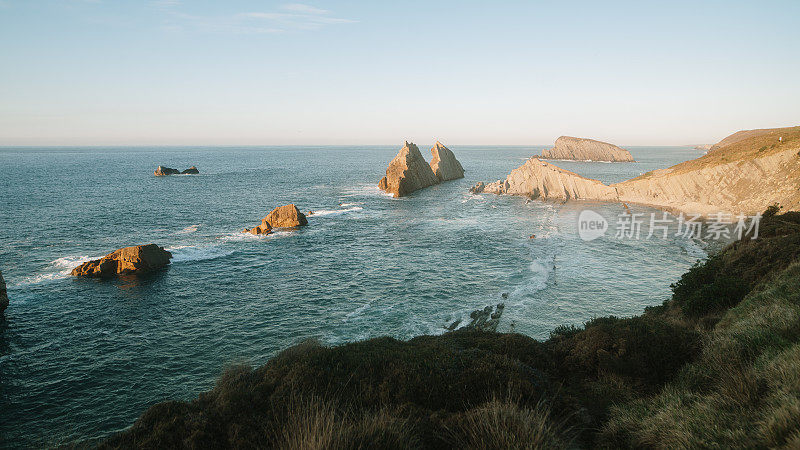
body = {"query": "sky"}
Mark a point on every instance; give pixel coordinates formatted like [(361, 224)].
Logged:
[(235, 72)]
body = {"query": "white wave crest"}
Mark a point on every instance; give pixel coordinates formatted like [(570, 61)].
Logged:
[(369, 190), (190, 229), (184, 253), (58, 269), (335, 212)]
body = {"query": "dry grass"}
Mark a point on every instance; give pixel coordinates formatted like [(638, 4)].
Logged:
[(740, 146), (743, 392), (317, 424), (504, 424)]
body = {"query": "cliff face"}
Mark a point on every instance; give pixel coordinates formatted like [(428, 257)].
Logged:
[(542, 180), (409, 172), (746, 186), (580, 149), (444, 163), (744, 175)]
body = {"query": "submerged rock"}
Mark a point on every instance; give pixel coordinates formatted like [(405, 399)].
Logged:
[(287, 216), (408, 172), (444, 163), (581, 149), (3, 295), (162, 171), (486, 319), (139, 259)]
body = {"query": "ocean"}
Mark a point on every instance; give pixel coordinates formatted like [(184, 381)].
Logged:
[(83, 358)]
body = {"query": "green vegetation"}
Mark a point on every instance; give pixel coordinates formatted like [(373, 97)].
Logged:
[(718, 365)]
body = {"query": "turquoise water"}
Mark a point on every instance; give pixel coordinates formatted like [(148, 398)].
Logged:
[(82, 358)]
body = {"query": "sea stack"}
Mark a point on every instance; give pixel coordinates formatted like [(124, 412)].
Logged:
[(444, 163), (287, 216), (190, 171), (136, 260), (3, 295), (408, 172), (580, 149)]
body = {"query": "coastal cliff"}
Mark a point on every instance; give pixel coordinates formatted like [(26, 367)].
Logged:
[(580, 149), (444, 163), (741, 174), (541, 180)]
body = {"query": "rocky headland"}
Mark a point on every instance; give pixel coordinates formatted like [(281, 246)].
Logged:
[(286, 216), (409, 172), (444, 163), (162, 171), (3, 295), (741, 174), (136, 260), (541, 180), (580, 149)]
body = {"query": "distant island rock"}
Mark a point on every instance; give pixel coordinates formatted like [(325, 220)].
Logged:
[(409, 172), (703, 147), (287, 216), (3, 295), (162, 171), (444, 163), (136, 260), (580, 149), (740, 174)]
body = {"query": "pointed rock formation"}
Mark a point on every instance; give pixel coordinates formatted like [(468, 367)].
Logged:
[(137, 260), (407, 172), (542, 180), (444, 163), (190, 171), (580, 149), (286, 216), (3, 295)]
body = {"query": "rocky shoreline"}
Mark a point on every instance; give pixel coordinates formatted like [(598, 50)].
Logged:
[(753, 169)]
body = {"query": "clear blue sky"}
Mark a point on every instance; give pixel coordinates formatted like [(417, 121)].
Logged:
[(107, 72)]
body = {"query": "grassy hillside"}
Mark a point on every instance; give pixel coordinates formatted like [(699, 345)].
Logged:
[(742, 145), (718, 365)]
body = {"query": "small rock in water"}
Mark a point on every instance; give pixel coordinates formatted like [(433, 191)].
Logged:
[(136, 260), (162, 171), (453, 325)]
